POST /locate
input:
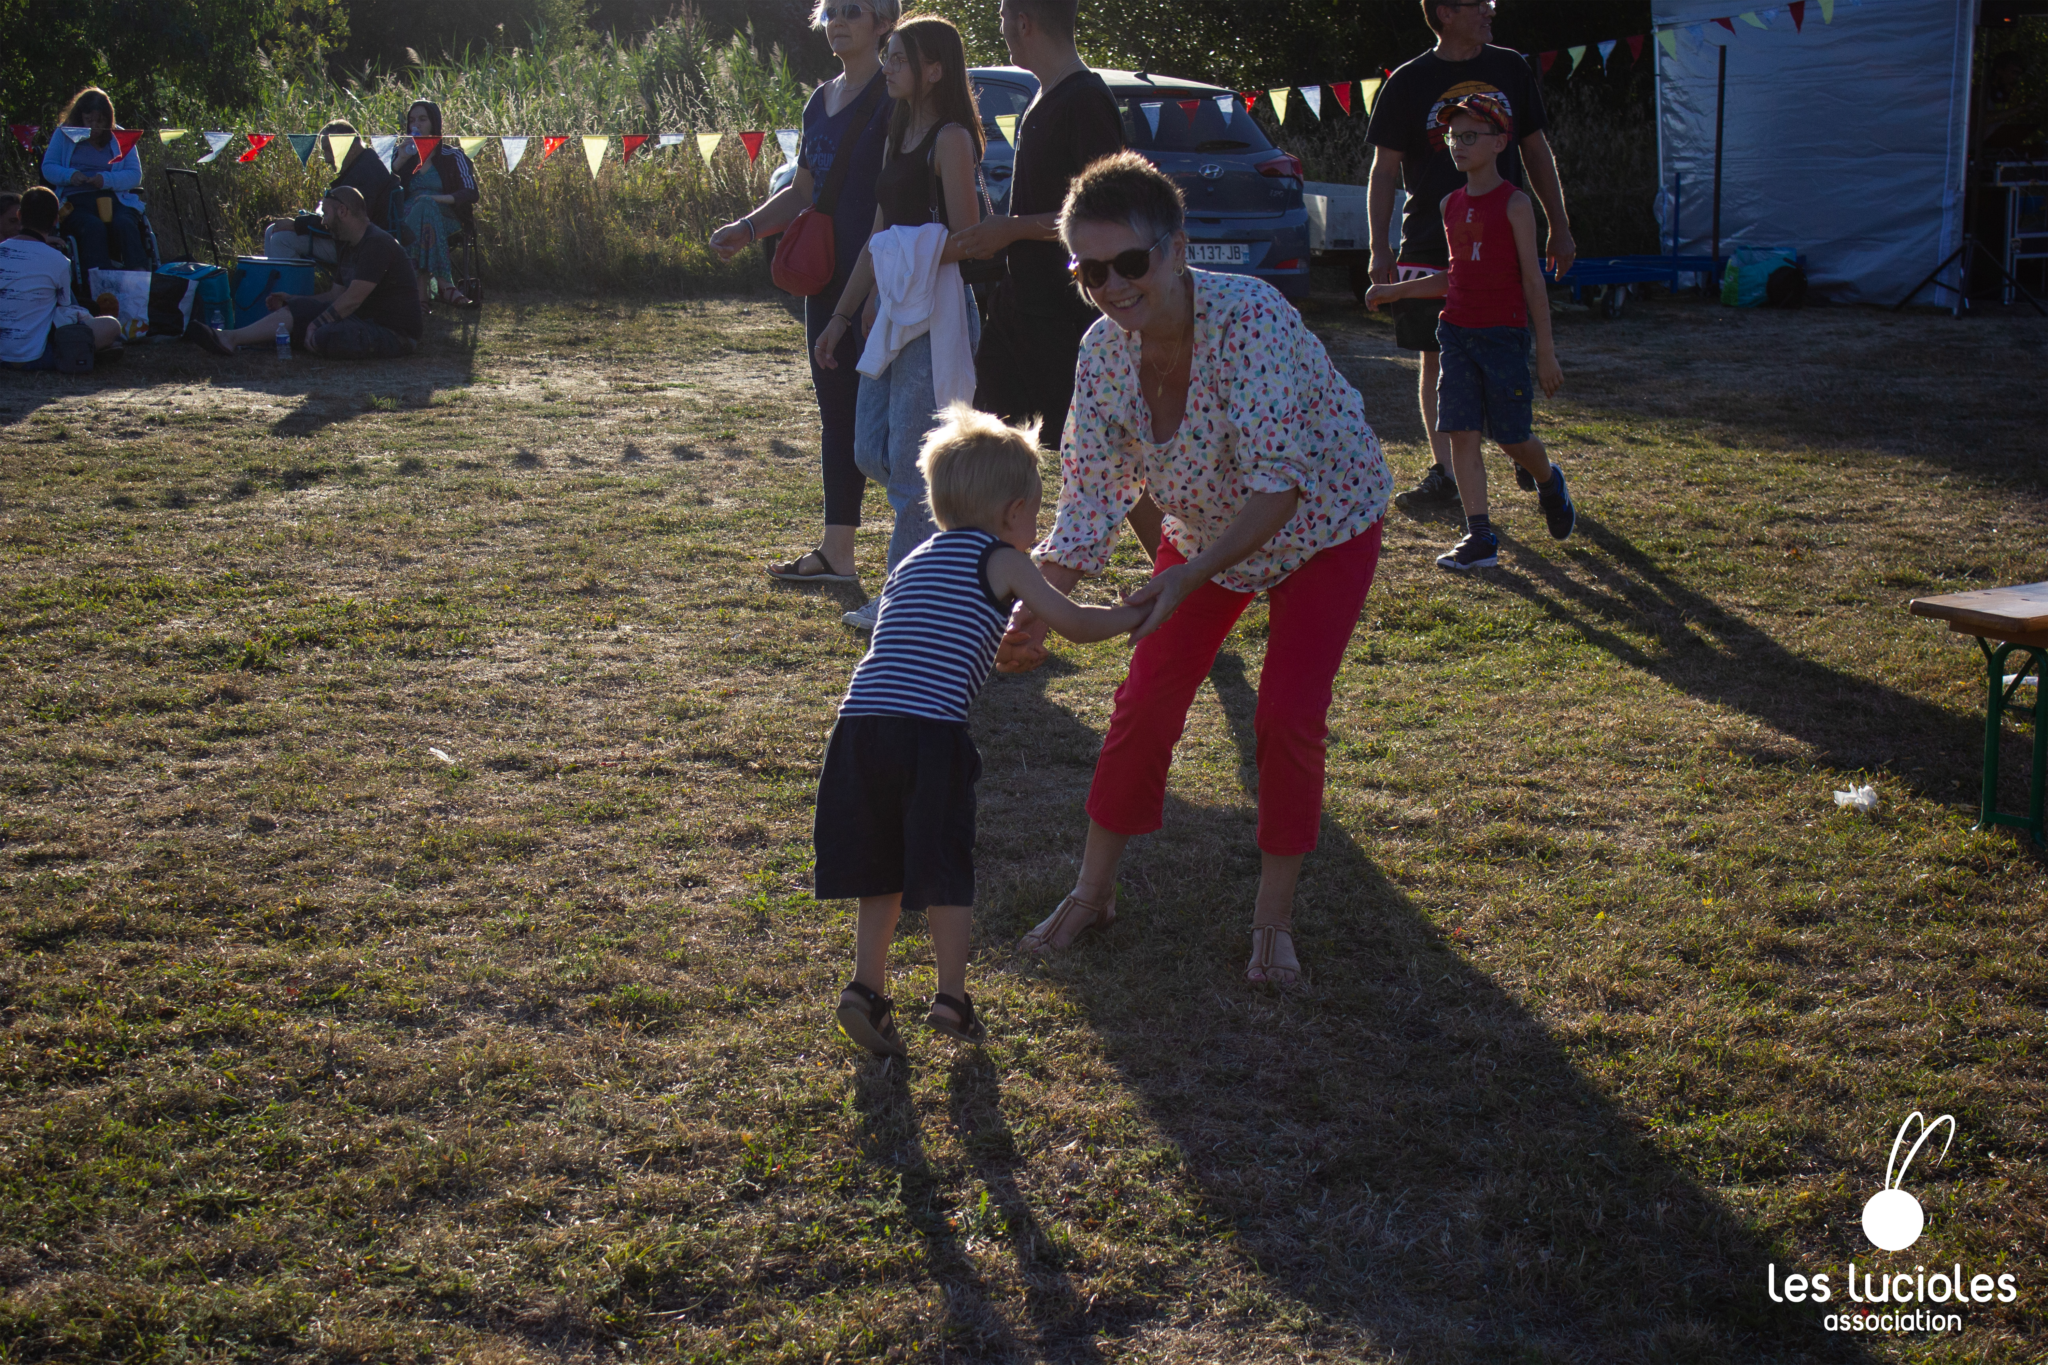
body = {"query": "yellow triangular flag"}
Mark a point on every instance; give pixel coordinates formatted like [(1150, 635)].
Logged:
[(707, 143), (1753, 21), (1279, 98), (1668, 37), (593, 151), (172, 134), (1827, 11), (1006, 124), (471, 145), (1368, 92)]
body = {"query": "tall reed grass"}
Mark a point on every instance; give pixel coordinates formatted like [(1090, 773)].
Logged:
[(635, 228)]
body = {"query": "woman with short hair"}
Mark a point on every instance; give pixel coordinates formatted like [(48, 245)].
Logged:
[(1208, 392), (847, 116), (85, 170), (438, 198)]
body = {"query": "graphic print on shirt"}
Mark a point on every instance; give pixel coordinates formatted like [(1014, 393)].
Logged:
[(1458, 92), (1468, 237)]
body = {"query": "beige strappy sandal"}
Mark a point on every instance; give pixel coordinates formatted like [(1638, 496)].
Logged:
[(1073, 918), (1263, 968)]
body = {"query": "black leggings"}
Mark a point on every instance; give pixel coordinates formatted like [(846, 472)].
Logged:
[(838, 395)]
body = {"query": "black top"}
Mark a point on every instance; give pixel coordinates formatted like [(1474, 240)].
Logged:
[(1404, 121), (458, 178), (395, 302), (373, 180), (825, 136), (1067, 127), (908, 186)]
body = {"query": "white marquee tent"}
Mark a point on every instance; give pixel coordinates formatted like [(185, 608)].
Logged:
[(1845, 141)]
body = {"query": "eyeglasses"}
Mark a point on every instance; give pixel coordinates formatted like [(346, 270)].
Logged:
[(1488, 5), (847, 12), (1132, 265), (895, 61), (1453, 138)]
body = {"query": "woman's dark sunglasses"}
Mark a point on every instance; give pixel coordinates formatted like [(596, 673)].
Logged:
[(847, 12), (1132, 265)]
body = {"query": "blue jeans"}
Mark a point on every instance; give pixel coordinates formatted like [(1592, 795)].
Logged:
[(890, 423), (83, 226)]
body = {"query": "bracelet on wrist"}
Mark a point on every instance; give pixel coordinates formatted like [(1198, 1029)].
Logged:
[(751, 234)]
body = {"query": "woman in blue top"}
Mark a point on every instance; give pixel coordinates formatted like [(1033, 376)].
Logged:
[(856, 29), (438, 197), (80, 171)]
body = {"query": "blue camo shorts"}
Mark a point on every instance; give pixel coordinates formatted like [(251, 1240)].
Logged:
[(1483, 381)]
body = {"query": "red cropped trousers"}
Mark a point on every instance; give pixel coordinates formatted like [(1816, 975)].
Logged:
[(1313, 613)]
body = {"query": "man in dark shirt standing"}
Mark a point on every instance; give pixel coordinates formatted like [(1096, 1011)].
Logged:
[(1408, 146), (373, 314), (1025, 366)]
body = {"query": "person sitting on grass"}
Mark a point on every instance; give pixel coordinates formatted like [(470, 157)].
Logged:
[(40, 327), (373, 314), (895, 809), (1492, 306)]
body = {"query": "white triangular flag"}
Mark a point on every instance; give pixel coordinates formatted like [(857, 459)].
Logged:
[(75, 133), (215, 140), (515, 148), (1226, 105), (1312, 96), (707, 143), (790, 140), (386, 149), (594, 149), (1152, 115), (666, 140)]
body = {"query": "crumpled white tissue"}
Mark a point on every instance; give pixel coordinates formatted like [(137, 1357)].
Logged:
[(1858, 798)]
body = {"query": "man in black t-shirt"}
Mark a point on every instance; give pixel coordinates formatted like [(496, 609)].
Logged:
[(1408, 146), (1025, 365), (373, 314)]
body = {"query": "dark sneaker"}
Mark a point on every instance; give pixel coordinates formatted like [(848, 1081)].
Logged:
[(1473, 552), (1437, 489), (1558, 512)]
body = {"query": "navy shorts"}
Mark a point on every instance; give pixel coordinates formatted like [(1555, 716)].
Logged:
[(1482, 383), (896, 811)]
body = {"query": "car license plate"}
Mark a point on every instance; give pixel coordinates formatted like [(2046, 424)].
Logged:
[(1218, 253)]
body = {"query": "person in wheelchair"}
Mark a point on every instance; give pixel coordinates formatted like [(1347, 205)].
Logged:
[(98, 180), (437, 198), (302, 237)]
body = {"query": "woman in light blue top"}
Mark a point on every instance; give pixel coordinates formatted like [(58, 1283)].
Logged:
[(80, 171)]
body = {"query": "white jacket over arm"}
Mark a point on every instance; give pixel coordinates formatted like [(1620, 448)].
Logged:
[(918, 295)]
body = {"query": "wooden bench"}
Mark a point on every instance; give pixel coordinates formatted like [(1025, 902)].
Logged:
[(2017, 619)]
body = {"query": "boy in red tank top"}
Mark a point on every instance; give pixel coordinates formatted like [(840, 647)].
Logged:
[(1495, 307)]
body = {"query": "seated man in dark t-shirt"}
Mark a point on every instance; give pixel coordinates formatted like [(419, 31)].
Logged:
[(374, 313)]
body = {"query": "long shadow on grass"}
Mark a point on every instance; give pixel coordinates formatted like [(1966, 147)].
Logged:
[(1405, 1159), (1706, 651)]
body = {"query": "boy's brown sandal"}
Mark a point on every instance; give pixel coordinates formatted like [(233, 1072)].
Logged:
[(1265, 948), (1073, 918), (968, 1028), (870, 1025)]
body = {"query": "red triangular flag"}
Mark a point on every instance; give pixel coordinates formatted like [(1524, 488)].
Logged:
[(753, 144), (1728, 24), (1635, 47), (257, 142), (24, 133), (126, 138), (632, 141), (1188, 107), (1544, 60), (549, 145), (426, 147), (1342, 89), (1250, 97), (1798, 8)]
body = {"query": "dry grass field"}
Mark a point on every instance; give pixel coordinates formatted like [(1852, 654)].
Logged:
[(406, 954)]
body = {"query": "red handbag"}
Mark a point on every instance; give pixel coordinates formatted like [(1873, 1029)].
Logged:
[(807, 258)]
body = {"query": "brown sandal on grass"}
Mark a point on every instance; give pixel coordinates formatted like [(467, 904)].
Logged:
[(794, 571), (1073, 918), (1263, 968), (968, 1027), (870, 1025)]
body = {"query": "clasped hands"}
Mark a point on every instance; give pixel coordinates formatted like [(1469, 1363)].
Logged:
[(1023, 644)]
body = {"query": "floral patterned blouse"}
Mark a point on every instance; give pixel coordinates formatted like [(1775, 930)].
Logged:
[(1266, 412)]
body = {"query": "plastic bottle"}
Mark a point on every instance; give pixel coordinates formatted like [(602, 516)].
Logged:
[(284, 341), (217, 320)]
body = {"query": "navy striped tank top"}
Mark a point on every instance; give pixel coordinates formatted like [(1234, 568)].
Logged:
[(935, 634)]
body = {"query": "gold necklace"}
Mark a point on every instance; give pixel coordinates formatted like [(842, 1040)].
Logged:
[(1145, 363)]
